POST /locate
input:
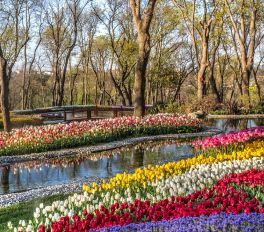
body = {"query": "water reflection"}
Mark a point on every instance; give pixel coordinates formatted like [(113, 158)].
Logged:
[(5, 179), (137, 158), (27, 175), (228, 125)]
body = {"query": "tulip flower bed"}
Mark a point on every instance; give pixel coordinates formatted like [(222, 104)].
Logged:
[(221, 197), (230, 142), (202, 185), (51, 137)]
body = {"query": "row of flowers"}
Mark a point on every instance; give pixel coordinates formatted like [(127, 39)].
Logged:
[(203, 173), (41, 138), (225, 196), (253, 222), (233, 138), (184, 184), (221, 197)]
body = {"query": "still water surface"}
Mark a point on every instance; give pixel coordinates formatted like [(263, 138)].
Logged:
[(28, 175)]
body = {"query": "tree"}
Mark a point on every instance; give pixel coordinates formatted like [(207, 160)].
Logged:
[(88, 29), (243, 17), (142, 22), (116, 20), (170, 61), (199, 24), (60, 39), (14, 35), (29, 62), (217, 31), (100, 58)]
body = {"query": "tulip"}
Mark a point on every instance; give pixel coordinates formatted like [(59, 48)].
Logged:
[(23, 223), (10, 225)]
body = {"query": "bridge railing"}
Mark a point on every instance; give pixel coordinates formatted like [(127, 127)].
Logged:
[(81, 112)]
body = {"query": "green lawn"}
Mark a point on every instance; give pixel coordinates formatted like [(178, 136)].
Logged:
[(24, 210)]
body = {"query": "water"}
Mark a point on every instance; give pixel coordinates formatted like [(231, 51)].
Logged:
[(228, 125), (28, 175)]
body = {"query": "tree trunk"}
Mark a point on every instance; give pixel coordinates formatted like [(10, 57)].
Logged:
[(213, 86), (4, 94), (24, 80), (257, 85), (140, 77), (203, 66), (128, 95), (118, 89), (142, 23), (201, 82), (245, 86), (222, 88)]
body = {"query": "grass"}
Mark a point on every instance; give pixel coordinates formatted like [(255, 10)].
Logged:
[(24, 210)]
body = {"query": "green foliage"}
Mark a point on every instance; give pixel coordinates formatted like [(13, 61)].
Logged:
[(219, 112), (258, 109)]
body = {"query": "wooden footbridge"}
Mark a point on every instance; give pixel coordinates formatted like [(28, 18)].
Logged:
[(80, 112)]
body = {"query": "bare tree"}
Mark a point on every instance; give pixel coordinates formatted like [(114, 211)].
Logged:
[(217, 31), (61, 38), (29, 62), (121, 40), (87, 33)]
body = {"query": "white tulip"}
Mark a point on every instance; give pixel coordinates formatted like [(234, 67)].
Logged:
[(117, 196), (158, 197), (71, 213), (56, 216), (37, 210), (29, 228), (47, 222), (10, 225)]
